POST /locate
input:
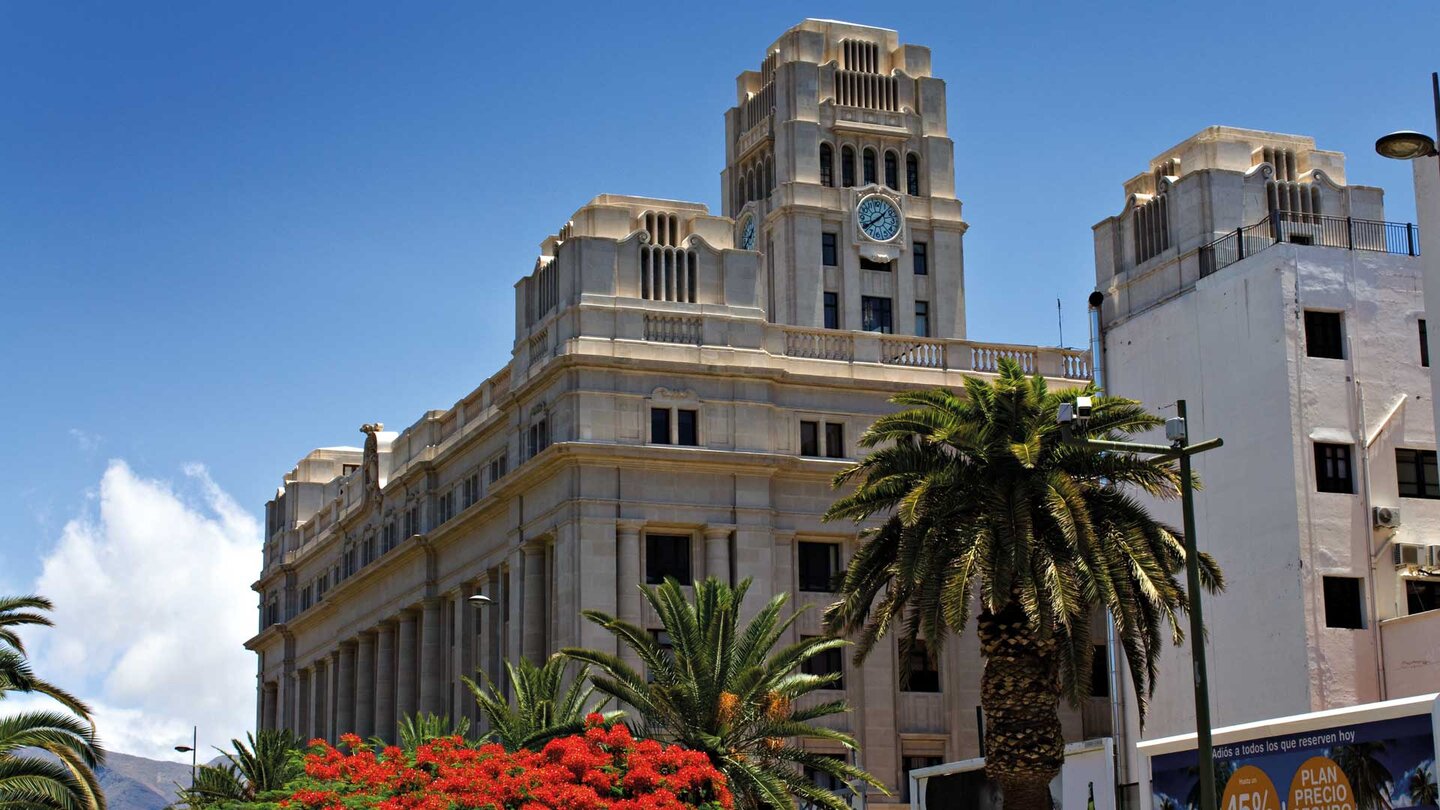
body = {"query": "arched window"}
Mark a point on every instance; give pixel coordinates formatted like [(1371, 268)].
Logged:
[(769, 174), (912, 175), (757, 183), (740, 189), (847, 167), (869, 166), (892, 170), (827, 165)]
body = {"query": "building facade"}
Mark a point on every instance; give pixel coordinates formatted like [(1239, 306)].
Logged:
[(1246, 276), (682, 389)]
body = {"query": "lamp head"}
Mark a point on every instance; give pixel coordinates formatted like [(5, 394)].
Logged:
[(479, 600), (1405, 145), (184, 749)]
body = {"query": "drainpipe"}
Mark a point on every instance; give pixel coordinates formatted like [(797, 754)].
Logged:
[(1370, 542), (1112, 653)]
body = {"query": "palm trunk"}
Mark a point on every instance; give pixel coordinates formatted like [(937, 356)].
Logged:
[(1020, 693)]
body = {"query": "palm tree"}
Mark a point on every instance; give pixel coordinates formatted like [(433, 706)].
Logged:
[(65, 780), (1422, 789), (726, 689), (417, 729), (1223, 770), (1370, 780), (264, 762), (544, 707), (979, 496)]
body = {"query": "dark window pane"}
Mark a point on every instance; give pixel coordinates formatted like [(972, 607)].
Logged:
[(868, 264), (1332, 468), (1323, 335), (818, 563), (922, 318), (828, 254), (914, 764), (686, 426), (809, 438), (1421, 595), (832, 310), (829, 662), (869, 166), (827, 165), (924, 672), (1415, 472), (834, 440), (659, 425), (847, 167), (912, 175), (1343, 605), (1100, 673), (875, 315), (892, 171), (667, 555), (920, 258), (1424, 345)]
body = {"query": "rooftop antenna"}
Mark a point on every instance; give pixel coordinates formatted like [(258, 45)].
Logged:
[(1060, 319)]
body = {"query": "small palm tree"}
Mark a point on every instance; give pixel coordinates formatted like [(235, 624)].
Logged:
[(264, 762), (1370, 780), (544, 707), (980, 496), (730, 691), (1422, 788), (417, 729), (66, 779)]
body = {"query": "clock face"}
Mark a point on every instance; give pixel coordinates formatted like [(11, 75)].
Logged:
[(878, 218), (747, 234)]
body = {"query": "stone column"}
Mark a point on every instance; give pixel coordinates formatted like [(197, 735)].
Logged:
[(269, 695), (302, 704), (431, 665), (533, 615), (717, 552), (405, 667), (627, 579), (462, 652), (385, 683), (317, 700), (365, 685), (345, 690)]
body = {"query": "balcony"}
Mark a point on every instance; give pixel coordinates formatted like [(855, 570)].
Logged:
[(1400, 238)]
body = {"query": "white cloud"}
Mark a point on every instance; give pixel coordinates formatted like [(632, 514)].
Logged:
[(152, 605)]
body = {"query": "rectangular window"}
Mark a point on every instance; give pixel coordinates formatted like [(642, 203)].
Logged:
[(1100, 672), (667, 555), (1421, 595), (1424, 345), (825, 781), (914, 764), (829, 255), (923, 670), (817, 565), (832, 310), (1416, 473), (922, 318), (920, 258), (868, 158), (867, 264), (830, 662), (834, 440), (1344, 607), (659, 425), (875, 315), (687, 428), (1332, 468), (538, 437), (809, 438), (1323, 335), (472, 490)]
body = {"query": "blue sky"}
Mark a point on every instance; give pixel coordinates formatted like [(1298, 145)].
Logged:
[(230, 233)]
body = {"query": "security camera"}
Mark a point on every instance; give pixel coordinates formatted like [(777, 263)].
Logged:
[(1083, 407)]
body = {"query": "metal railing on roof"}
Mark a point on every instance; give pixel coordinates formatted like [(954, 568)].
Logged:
[(1400, 238)]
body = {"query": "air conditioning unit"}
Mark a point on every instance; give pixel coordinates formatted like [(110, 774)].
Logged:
[(1434, 557), (1385, 517), (1408, 555)]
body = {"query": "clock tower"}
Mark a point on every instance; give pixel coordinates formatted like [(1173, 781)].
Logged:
[(839, 170)]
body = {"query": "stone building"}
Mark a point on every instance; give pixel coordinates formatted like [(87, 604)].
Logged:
[(1245, 275), (681, 391)]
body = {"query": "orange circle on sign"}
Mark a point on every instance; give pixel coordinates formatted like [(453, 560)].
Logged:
[(1319, 784), (1249, 789)]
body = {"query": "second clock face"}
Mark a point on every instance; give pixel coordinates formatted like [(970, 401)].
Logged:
[(747, 234), (878, 218)]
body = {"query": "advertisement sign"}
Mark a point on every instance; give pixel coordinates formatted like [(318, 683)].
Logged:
[(1382, 764)]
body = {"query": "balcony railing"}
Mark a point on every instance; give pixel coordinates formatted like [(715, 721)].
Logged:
[(1400, 238)]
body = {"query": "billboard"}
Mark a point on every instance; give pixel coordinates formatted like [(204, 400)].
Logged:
[(1363, 764)]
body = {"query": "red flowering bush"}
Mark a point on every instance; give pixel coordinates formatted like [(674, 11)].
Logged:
[(602, 769)]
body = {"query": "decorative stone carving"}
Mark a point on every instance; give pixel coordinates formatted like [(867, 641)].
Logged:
[(370, 465)]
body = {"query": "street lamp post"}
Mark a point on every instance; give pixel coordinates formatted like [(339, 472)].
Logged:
[(1177, 431), (192, 749)]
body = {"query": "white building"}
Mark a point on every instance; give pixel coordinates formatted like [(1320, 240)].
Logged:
[(1247, 277), (682, 389)]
